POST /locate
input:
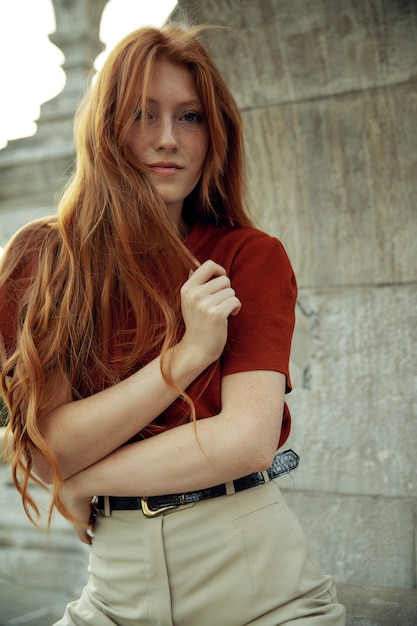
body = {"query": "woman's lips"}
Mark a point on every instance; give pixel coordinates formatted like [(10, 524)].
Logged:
[(165, 169)]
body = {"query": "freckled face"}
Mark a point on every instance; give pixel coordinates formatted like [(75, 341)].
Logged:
[(170, 137)]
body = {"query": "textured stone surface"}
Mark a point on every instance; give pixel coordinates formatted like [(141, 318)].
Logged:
[(374, 535), (28, 188), (38, 574), (355, 388), (373, 606), (335, 179), (280, 51)]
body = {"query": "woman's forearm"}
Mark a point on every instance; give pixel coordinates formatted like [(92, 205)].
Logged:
[(170, 462), (234, 443), (84, 431)]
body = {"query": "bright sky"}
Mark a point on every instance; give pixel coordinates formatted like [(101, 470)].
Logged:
[(30, 71)]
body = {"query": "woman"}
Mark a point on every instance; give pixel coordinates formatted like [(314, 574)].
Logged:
[(147, 305)]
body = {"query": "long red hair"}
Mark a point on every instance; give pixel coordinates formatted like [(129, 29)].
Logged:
[(94, 291)]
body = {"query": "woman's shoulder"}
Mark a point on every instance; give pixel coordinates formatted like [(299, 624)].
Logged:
[(232, 240), (34, 233), (207, 231), (19, 267), (24, 246)]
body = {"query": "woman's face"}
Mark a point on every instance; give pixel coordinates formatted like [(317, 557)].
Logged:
[(172, 141)]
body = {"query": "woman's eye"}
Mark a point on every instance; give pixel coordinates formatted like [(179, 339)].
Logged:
[(193, 117), (141, 114)]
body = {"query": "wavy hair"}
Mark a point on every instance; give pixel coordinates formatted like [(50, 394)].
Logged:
[(94, 291)]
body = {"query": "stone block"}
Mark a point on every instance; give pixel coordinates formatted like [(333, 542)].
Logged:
[(32, 178), (33, 605), (29, 185), (354, 374), (378, 606), (39, 573), (17, 531), (32, 174), (299, 50), (335, 180), (359, 540)]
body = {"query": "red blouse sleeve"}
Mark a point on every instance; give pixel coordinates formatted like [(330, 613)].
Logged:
[(260, 335), (16, 275), (11, 293)]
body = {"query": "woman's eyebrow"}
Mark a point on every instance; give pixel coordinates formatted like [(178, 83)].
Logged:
[(186, 103)]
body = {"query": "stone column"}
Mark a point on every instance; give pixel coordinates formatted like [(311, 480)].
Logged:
[(34, 168), (77, 35)]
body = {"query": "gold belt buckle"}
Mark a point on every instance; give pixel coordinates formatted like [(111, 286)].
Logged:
[(155, 512)]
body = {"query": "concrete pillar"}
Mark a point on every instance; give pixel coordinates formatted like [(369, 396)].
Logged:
[(77, 35), (328, 94), (32, 169)]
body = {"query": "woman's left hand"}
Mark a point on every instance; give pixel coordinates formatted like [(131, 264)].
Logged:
[(82, 509)]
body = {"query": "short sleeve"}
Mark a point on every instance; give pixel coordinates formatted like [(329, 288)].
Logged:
[(260, 335), (7, 319), (17, 271), (11, 293)]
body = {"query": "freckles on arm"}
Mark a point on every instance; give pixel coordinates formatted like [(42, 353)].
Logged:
[(252, 409), (238, 441)]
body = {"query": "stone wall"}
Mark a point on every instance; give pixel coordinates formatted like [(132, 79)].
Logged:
[(328, 92)]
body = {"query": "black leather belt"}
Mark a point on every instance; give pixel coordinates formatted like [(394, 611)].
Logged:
[(284, 462)]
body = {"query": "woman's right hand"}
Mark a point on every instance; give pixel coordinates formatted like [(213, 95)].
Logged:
[(207, 300)]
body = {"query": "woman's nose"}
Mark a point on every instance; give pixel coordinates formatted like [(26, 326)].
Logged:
[(165, 135)]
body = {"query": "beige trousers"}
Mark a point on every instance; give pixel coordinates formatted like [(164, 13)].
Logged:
[(234, 560)]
